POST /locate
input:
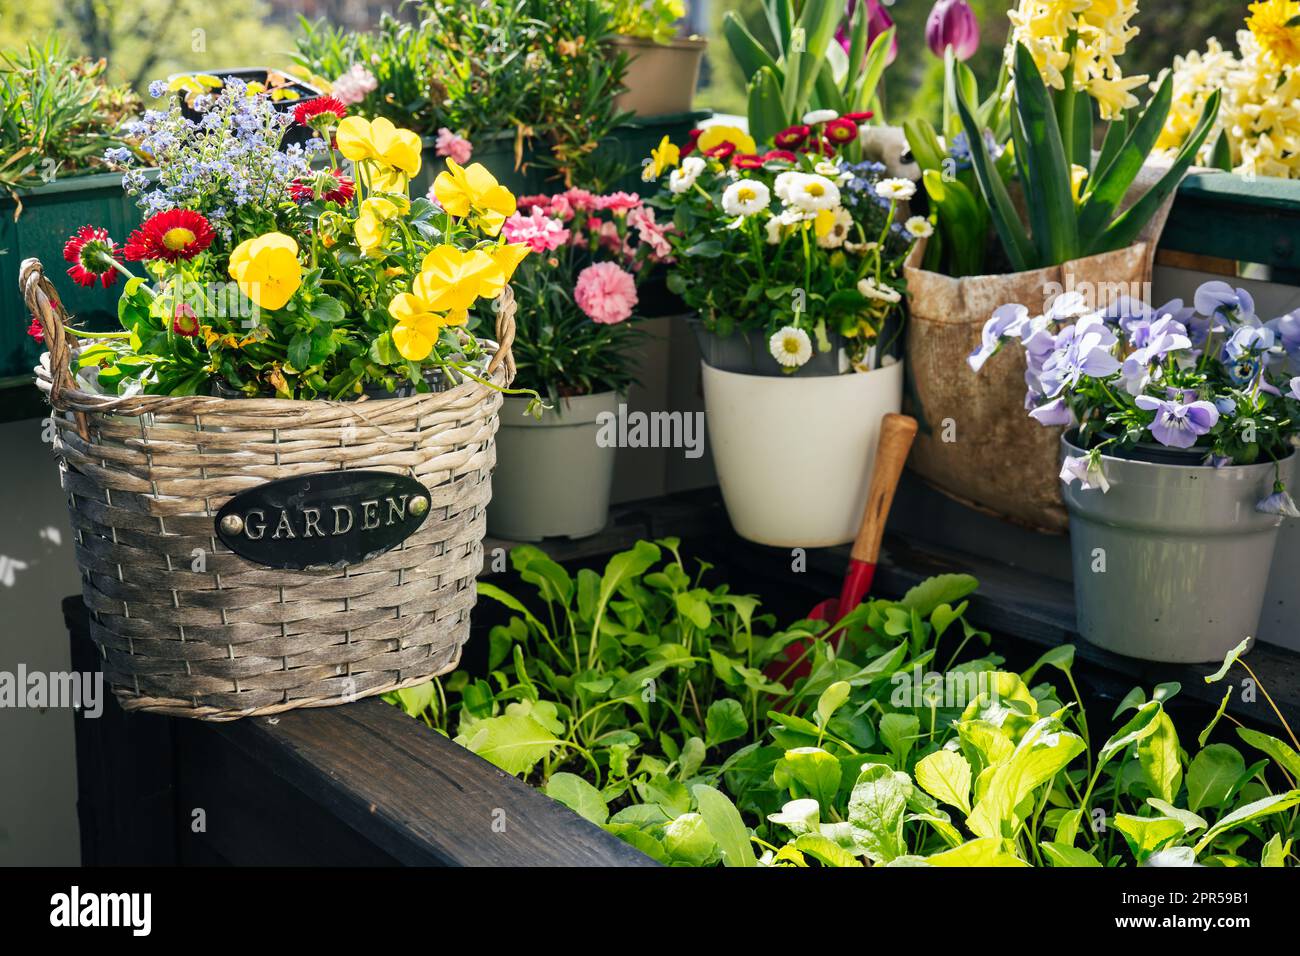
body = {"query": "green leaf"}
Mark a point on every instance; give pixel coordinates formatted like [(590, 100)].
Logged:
[(899, 731), (750, 55), (536, 568), (416, 700), (986, 851), (1142, 724), (728, 829), (326, 308), (1146, 835), (825, 851), (1218, 715), (1282, 754), (1274, 803), (809, 772), (1212, 775), (689, 841), (877, 807), (1042, 753), (946, 776), (578, 795), (767, 115), (1275, 851), (694, 608), (1048, 190), (724, 721), (940, 589), (513, 742), (625, 566), (1061, 657), (1158, 757), (831, 700), (495, 593), (1062, 854), (1191, 822)]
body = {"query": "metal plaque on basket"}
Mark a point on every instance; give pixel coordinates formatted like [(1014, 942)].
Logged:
[(328, 520)]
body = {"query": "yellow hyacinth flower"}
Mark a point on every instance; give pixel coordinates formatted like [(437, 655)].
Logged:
[(1276, 25), (452, 278), (419, 324), (465, 191), (663, 157), (379, 142), (267, 269), (373, 224)]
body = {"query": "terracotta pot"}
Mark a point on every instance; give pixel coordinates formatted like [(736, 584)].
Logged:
[(661, 77)]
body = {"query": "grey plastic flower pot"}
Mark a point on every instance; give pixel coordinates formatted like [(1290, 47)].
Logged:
[(1171, 563), (553, 477), (746, 352)]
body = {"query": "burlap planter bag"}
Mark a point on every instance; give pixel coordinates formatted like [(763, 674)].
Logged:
[(186, 626), (977, 443)]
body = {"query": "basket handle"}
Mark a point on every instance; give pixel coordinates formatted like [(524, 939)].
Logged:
[(47, 308), (505, 332)]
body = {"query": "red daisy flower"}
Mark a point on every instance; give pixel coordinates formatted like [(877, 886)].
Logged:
[(308, 110), (184, 321), (35, 330), (841, 131), (691, 137), (747, 161), (721, 151), (333, 186), (171, 235), (858, 118), (792, 137), (781, 155), (90, 251)]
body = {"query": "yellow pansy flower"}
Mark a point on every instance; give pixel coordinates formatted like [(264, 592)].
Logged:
[(452, 278), (418, 325), (267, 269), (717, 135), (466, 190), (663, 157), (372, 226), (508, 256), (379, 142)]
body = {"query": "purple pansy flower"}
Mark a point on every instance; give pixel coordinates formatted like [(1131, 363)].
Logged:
[(1279, 502), (1077, 355), (1005, 322), (1294, 390), (1178, 425), (1249, 340), (1087, 470), (1055, 412), (1219, 298)]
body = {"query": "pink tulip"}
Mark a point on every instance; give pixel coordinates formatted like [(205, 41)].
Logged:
[(952, 23), (878, 21)]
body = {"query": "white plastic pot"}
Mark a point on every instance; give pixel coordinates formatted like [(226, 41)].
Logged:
[(793, 454)]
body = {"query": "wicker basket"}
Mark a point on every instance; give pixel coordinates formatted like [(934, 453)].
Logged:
[(145, 477)]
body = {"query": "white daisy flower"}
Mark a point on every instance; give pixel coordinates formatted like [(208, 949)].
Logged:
[(813, 117), (813, 192), (791, 347), (828, 168), (775, 230), (745, 197), (918, 227), (785, 183), (899, 190), (839, 230), (879, 291), (860, 248), (683, 178)]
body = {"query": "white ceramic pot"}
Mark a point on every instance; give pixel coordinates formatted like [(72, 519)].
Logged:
[(794, 455)]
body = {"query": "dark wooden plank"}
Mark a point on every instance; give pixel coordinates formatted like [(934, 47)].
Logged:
[(409, 793), (1218, 214), (125, 794)]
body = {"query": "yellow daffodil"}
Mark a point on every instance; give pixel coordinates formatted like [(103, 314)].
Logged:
[(472, 191), (379, 142), (717, 135), (452, 278), (419, 324), (663, 157), (374, 222), (267, 269)]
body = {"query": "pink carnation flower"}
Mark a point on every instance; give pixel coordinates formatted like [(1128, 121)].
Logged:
[(580, 199), (537, 231), (352, 86), (457, 147), (606, 293), (619, 202), (652, 234)]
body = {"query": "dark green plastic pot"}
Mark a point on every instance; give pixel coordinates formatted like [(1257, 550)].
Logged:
[(50, 215), (496, 151)]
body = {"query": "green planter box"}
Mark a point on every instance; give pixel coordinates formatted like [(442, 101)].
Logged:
[(496, 151), (631, 143), (50, 215)]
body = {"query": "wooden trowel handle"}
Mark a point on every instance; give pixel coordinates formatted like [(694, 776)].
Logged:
[(896, 434)]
